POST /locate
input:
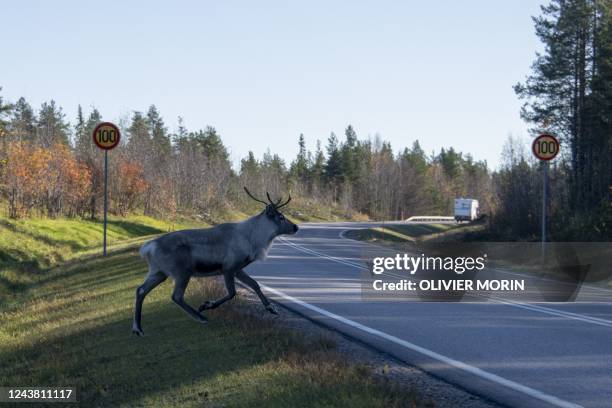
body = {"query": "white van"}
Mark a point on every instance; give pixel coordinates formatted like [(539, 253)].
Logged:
[(466, 209)]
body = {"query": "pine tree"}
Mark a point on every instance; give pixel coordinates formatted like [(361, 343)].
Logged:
[(451, 163), (210, 144), (249, 165), (566, 93), (23, 122), (318, 168), (333, 166), (180, 140), (181, 132), (299, 168), (416, 157), (159, 134), (348, 153), (51, 125), (139, 131), (84, 144), (600, 111), (81, 141)]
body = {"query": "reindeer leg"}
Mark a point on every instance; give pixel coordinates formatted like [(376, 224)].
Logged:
[(231, 292), (149, 284), (252, 283), (178, 293)]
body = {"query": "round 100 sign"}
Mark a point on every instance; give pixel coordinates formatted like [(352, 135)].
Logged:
[(106, 135), (545, 147)]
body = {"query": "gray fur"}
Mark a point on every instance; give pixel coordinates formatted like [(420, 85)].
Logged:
[(221, 250)]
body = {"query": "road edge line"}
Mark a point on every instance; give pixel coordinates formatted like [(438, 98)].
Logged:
[(539, 395)]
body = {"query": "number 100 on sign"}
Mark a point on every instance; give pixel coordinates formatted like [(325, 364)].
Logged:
[(106, 135), (545, 147)]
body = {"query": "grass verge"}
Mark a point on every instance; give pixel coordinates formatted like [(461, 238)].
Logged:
[(73, 328), (28, 247)]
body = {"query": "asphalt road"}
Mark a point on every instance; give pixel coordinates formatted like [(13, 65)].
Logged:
[(514, 353)]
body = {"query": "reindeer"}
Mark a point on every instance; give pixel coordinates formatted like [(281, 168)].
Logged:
[(225, 249)]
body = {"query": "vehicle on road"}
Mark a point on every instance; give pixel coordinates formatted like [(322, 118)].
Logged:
[(466, 209)]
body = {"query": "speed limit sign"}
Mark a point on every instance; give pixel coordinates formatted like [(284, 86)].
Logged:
[(545, 147), (106, 135)]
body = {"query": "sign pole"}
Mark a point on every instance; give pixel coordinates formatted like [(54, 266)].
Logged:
[(545, 147), (106, 136), (105, 195), (544, 188)]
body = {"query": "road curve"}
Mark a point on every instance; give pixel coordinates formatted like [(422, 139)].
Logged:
[(549, 354)]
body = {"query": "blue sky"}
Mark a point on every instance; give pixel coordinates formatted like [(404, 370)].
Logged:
[(264, 72)]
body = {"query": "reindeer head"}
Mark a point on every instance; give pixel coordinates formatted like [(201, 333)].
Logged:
[(283, 225)]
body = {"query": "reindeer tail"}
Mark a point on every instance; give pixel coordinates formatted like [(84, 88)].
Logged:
[(146, 249)]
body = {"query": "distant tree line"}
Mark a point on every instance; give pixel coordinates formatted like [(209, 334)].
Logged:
[(367, 176), (161, 172), (153, 170)]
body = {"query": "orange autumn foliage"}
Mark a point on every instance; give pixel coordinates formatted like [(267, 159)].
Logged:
[(49, 180), (128, 186)]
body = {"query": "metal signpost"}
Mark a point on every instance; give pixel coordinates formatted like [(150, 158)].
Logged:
[(106, 136), (545, 147)]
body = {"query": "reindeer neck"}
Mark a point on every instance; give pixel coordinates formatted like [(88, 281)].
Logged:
[(262, 233)]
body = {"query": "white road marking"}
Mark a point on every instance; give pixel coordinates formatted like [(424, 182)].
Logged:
[(332, 258), (584, 285), (539, 395), (526, 306), (554, 312)]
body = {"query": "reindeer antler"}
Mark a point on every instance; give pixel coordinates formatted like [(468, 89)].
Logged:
[(253, 197), (285, 203), (275, 204)]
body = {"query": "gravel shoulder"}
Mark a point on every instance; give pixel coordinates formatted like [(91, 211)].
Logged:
[(436, 392)]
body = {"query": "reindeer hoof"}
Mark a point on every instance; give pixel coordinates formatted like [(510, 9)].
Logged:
[(205, 306), (272, 309), (138, 332)]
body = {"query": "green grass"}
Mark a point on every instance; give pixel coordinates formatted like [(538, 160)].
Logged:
[(28, 247), (72, 327), (308, 210), (66, 314), (300, 210)]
